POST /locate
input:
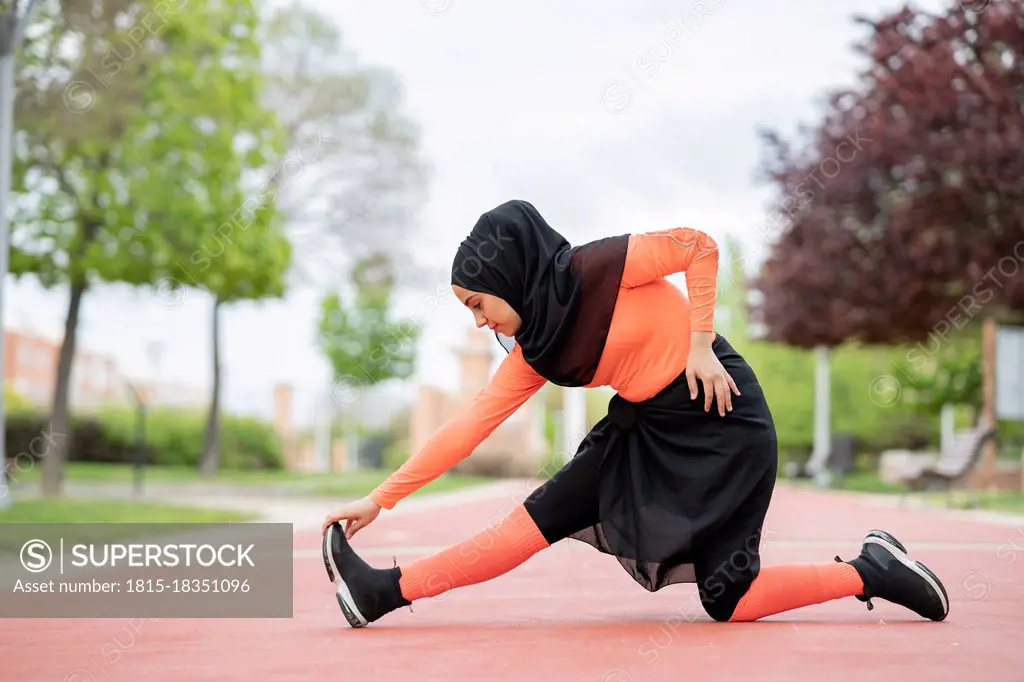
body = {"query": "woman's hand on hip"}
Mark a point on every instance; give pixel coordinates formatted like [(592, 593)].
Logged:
[(704, 365)]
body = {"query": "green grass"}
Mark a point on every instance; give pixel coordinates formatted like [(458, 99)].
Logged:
[(116, 513), (335, 484), (1008, 501), (74, 510), (360, 483), (866, 482), (95, 472)]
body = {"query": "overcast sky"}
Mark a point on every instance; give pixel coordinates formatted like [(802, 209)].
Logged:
[(610, 117)]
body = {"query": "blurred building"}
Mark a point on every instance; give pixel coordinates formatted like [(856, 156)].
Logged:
[(299, 454), (30, 369)]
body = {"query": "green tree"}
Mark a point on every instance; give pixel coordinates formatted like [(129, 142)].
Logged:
[(247, 256), (943, 371), (363, 345), (251, 265), (130, 147)]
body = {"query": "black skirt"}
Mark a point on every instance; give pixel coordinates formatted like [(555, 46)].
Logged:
[(682, 493)]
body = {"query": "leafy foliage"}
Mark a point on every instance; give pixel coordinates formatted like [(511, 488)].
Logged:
[(941, 371), (140, 126), (363, 345), (905, 212), (132, 150)]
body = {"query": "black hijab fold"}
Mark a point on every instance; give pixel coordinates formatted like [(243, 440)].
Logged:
[(565, 295)]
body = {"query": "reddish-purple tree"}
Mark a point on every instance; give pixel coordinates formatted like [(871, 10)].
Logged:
[(905, 211)]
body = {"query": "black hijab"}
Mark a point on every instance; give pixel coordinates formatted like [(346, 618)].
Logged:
[(565, 295)]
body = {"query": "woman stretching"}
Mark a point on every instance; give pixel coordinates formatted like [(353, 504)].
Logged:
[(674, 482)]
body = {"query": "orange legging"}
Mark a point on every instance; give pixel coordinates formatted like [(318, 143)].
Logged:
[(515, 538)]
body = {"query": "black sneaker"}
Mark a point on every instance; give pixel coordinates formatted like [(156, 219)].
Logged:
[(364, 593), (889, 574)]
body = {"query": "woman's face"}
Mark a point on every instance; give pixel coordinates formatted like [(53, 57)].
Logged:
[(489, 311)]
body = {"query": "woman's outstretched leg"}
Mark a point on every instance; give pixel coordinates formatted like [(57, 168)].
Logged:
[(564, 504), (366, 593), (494, 551)]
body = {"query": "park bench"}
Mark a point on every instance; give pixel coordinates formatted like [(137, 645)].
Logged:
[(955, 464)]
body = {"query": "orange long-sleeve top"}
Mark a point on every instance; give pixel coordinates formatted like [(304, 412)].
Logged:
[(647, 348)]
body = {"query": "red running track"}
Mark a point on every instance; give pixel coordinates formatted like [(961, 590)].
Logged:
[(571, 613)]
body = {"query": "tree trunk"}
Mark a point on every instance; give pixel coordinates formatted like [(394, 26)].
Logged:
[(209, 463), (986, 467), (60, 433)]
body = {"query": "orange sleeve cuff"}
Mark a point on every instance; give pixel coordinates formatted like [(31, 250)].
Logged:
[(378, 496)]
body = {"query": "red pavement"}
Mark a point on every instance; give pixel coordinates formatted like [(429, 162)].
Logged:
[(572, 614)]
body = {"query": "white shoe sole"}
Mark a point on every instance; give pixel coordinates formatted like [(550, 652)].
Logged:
[(343, 594), (914, 566)]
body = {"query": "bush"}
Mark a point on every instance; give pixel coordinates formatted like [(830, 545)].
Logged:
[(250, 443), (395, 454), (173, 438), (787, 377), (14, 402)]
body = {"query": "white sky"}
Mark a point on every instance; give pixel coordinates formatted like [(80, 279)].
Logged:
[(509, 99)]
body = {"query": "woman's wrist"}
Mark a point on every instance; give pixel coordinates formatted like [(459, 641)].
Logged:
[(701, 339), (374, 497)]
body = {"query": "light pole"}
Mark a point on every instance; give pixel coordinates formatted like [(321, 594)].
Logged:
[(12, 30), (154, 351), (574, 419)]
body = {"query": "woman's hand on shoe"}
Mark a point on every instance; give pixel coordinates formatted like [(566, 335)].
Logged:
[(704, 365), (358, 515)]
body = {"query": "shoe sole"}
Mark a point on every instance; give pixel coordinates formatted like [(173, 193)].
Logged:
[(887, 537), (341, 591), (896, 548)]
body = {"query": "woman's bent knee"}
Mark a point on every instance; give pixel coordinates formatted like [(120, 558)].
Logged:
[(720, 597), (720, 609)]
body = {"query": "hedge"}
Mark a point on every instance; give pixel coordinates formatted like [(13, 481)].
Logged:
[(173, 437)]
